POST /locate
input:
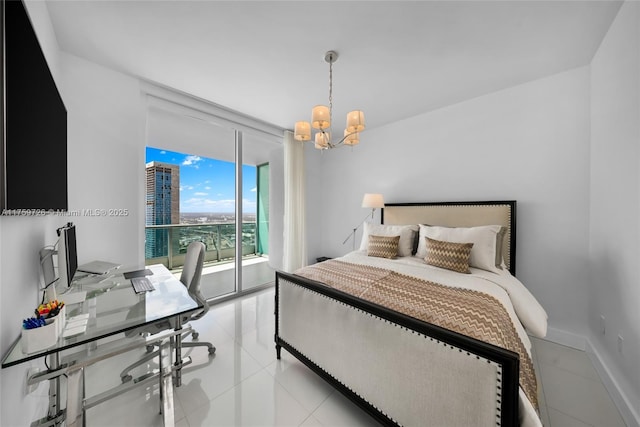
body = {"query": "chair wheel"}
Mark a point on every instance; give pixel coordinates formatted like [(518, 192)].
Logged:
[(212, 350), (126, 378), (195, 335)]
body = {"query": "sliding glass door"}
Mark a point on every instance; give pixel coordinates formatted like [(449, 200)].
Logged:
[(256, 270), (210, 184)]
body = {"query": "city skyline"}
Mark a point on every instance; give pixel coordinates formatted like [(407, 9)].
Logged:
[(208, 185)]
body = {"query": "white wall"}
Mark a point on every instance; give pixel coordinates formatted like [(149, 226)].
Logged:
[(614, 247), (106, 152), (529, 143)]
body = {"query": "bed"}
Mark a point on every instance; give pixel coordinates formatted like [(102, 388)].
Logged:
[(435, 335)]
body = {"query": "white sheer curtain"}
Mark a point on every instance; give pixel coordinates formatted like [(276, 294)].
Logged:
[(295, 224)]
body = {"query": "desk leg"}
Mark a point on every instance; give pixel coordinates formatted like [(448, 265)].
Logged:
[(166, 386), (75, 397), (55, 414), (178, 347), (54, 388)]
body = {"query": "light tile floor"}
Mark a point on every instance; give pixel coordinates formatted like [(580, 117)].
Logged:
[(571, 392), (244, 384)]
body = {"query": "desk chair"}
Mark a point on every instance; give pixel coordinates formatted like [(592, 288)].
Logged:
[(190, 277)]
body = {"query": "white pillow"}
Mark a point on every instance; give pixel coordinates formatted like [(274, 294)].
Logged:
[(484, 238), (406, 233)]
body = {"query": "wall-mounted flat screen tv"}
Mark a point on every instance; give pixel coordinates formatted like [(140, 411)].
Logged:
[(33, 167)]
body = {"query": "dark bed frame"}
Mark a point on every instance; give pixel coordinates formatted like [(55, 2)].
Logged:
[(509, 360)]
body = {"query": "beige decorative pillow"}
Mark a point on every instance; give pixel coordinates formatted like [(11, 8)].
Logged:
[(449, 255), (383, 246), (407, 235)]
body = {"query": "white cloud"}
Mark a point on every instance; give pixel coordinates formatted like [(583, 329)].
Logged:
[(254, 189), (200, 193), (191, 161)]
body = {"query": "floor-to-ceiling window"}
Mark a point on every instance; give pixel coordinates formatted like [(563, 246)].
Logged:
[(262, 209), (254, 272), (207, 181)]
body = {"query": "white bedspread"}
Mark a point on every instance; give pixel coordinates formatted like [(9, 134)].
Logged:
[(527, 314)]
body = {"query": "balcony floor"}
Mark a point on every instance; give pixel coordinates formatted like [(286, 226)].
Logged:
[(218, 278)]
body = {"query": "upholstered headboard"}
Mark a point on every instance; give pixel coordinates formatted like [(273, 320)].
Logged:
[(460, 214)]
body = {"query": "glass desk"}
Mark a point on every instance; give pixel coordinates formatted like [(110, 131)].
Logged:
[(113, 308)]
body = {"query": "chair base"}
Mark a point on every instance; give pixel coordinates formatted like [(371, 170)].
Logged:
[(125, 376)]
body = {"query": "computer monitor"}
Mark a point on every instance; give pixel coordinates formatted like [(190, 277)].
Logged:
[(67, 254)]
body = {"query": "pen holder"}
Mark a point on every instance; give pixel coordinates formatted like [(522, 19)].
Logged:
[(36, 339)]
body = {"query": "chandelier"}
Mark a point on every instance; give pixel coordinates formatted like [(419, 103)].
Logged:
[(321, 120)]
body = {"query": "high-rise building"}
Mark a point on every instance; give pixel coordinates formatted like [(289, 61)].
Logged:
[(163, 205)]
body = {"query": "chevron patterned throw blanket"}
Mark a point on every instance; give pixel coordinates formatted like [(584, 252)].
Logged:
[(468, 312)]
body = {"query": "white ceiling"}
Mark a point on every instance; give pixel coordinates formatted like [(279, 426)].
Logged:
[(397, 58)]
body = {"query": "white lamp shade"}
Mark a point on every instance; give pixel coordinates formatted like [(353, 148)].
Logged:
[(302, 131), (320, 117), (372, 201), (322, 140), (351, 138), (355, 121)]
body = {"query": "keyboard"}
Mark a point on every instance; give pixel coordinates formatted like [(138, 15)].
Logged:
[(142, 284)]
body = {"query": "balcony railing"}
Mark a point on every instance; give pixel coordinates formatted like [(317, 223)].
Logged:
[(167, 244)]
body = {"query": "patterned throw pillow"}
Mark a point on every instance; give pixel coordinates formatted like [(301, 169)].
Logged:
[(383, 246), (449, 255)]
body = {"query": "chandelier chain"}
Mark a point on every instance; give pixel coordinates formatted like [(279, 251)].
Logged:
[(330, 92)]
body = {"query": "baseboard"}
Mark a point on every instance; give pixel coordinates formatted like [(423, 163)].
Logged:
[(565, 338), (629, 413)]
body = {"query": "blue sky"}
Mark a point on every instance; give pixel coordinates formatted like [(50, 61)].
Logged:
[(208, 185)]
